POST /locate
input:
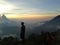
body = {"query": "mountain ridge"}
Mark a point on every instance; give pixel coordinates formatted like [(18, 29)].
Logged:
[(50, 26)]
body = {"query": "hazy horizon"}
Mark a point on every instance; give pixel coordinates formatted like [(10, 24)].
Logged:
[(24, 9)]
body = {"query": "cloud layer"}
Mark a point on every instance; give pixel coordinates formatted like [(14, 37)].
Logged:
[(32, 6)]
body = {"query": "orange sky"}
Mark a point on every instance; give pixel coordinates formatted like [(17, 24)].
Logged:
[(29, 16)]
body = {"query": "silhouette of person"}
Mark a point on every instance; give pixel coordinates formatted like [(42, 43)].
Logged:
[(48, 39), (22, 31)]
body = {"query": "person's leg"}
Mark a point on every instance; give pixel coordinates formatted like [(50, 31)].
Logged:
[(23, 37)]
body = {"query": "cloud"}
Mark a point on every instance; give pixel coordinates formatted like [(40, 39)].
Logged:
[(1, 32), (30, 6), (5, 6)]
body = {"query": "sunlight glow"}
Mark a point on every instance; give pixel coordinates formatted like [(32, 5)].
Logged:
[(4, 8), (28, 16)]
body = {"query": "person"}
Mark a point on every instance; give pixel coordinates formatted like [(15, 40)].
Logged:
[(48, 39), (22, 36)]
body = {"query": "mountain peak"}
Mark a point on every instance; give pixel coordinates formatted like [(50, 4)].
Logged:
[(57, 16), (4, 18)]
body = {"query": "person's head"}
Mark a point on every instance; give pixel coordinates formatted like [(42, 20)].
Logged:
[(22, 23)]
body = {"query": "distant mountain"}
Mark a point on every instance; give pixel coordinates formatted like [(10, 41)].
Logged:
[(8, 27), (51, 25), (6, 22)]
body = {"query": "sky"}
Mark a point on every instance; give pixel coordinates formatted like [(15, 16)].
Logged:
[(18, 8)]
